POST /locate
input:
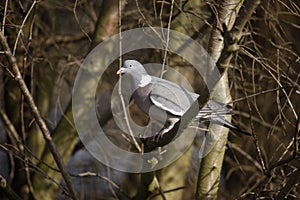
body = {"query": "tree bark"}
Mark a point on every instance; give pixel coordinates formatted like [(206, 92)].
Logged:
[(221, 51)]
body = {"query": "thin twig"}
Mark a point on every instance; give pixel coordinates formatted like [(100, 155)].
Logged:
[(148, 23), (109, 181), (10, 193), (255, 138), (294, 178), (168, 191), (77, 20), (137, 146), (22, 25), (12, 132), (167, 40), (4, 16)]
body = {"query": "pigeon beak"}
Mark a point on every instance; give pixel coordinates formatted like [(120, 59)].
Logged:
[(120, 71)]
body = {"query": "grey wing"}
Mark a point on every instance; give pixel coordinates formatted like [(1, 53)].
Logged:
[(171, 97)]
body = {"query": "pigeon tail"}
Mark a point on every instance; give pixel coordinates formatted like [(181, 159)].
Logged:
[(223, 122), (215, 112), (220, 120)]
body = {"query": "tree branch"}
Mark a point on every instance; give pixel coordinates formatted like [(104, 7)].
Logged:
[(211, 164), (10, 193), (294, 178), (46, 133), (232, 37)]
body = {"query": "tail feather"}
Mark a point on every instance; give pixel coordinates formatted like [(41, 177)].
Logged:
[(223, 122), (215, 112)]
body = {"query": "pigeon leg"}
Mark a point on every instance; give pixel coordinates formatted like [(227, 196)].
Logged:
[(159, 135)]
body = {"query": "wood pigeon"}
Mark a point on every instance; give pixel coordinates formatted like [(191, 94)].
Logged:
[(164, 100)]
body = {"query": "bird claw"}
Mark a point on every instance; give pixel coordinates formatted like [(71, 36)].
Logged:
[(158, 135)]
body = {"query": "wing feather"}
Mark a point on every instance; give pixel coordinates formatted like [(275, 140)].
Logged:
[(171, 97)]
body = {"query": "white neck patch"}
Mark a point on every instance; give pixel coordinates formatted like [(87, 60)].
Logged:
[(146, 79)]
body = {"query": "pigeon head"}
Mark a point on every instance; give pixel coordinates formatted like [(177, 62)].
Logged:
[(139, 75)]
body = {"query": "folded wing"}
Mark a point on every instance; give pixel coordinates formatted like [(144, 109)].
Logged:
[(171, 97)]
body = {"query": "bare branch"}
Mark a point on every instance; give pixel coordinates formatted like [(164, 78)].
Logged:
[(11, 194), (46, 133)]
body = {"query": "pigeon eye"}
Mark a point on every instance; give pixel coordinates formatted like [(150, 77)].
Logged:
[(130, 66)]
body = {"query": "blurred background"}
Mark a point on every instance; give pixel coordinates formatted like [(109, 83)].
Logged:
[(50, 40)]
